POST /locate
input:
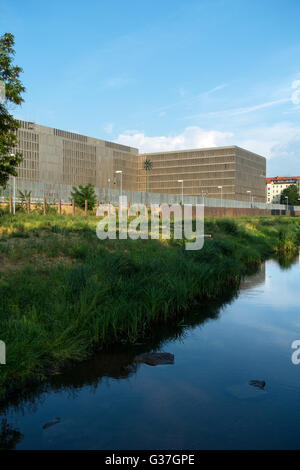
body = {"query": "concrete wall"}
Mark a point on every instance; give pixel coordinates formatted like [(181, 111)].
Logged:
[(238, 212)]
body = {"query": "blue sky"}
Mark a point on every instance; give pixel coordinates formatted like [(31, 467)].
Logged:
[(164, 75)]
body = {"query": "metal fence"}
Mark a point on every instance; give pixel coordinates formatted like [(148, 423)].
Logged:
[(55, 192)]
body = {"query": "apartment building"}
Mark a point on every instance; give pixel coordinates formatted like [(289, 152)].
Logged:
[(275, 186)]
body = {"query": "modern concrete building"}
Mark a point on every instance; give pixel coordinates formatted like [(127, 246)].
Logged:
[(275, 186), (57, 156), (227, 172)]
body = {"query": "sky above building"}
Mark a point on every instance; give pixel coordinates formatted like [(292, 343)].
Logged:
[(164, 75)]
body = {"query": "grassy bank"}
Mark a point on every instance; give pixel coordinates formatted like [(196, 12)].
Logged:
[(63, 292)]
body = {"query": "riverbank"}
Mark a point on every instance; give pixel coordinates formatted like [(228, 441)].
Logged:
[(63, 292)]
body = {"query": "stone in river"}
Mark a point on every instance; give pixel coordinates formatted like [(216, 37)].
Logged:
[(155, 359), (51, 423), (258, 384), (243, 391)]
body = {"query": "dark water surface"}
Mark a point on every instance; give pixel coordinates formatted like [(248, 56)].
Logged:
[(202, 401)]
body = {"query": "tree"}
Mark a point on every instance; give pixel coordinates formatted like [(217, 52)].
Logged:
[(10, 82), (293, 195), (24, 195), (147, 168), (84, 193)]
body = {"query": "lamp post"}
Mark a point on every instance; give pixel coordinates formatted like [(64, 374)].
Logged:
[(108, 189), (287, 202), (120, 172), (221, 188), (181, 181), (249, 192), (14, 190)]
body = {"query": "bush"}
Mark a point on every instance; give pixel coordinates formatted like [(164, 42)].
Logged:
[(84, 193), (229, 226)]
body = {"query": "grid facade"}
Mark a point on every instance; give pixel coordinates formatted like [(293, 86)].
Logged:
[(28, 145), (129, 167), (204, 171), (79, 163), (54, 156)]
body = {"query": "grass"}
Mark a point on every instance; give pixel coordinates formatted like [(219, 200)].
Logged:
[(63, 292)]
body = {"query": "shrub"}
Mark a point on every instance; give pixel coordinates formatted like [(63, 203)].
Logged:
[(84, 193)]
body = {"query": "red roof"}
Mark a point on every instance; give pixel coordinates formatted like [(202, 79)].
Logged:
[(282, 179)]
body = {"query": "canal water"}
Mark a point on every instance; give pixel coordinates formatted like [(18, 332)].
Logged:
[(202, 401)]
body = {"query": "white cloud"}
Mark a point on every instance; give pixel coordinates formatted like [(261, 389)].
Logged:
[(295, 98), (236, 111), (296, 84), (191, 137), (249, 109), (216, 88), (271, 141), (189, 99), (279, 143)]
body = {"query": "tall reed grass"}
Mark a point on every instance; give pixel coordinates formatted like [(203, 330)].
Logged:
[(64, 293)]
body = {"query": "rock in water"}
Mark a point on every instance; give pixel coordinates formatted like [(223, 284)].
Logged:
[(244, 392), (51, 423), (155, 359), (258, 384)]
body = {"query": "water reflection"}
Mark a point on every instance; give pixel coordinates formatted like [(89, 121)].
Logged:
[(286, 260), (204, 400), (256, 279), (9, 437), (117, 362)]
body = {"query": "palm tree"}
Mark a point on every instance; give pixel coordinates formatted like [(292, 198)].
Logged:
[(24, 196), (147, 168)]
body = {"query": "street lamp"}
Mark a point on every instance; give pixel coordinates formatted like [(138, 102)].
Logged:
[(181, 181), (108, 189), (221, 188), (249, 192), (120, 172), (287, 202), (14, 189)]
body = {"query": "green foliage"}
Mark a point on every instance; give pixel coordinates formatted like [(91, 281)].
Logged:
[(81, 292), (23, 196), (83, 193), (293, 196), (148, 164), (9, 75), (228, 225)]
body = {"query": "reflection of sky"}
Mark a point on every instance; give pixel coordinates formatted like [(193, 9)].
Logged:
[(203, 400), (280, 290)]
